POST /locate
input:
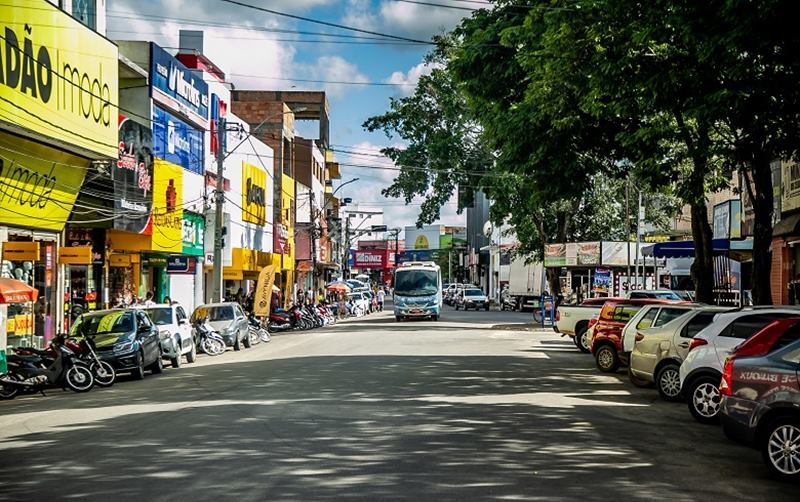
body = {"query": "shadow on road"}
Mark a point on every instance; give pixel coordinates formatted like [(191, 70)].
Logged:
[(367, 428)]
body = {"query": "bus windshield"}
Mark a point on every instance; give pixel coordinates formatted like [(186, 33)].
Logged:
[(416, 283)]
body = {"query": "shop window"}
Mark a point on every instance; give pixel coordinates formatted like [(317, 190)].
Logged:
[(32, 324)]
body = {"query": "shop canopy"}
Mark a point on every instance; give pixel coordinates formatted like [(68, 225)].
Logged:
[(739, 249), (14, 291)]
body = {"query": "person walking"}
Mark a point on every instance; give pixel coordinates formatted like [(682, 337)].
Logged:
[(381, 297), (148, 300)]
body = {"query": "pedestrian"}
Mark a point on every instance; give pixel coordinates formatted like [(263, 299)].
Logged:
[(381, 297), (168, 300), (148, 299), (794, 290)]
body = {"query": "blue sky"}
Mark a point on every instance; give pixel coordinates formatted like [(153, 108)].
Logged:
[(251, 48)]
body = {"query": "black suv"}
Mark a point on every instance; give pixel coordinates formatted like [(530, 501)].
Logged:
[(761, 395)]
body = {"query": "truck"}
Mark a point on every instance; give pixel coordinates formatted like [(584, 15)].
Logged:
[(575, 320), (526, 282)]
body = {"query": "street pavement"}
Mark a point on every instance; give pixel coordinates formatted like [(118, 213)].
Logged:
[(473, 407)]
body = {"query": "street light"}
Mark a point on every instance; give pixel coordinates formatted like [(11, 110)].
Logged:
[(219, 193), (314, 227)]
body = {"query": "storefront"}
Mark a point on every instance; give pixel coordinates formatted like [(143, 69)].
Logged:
[(46, 151), (372, 262)]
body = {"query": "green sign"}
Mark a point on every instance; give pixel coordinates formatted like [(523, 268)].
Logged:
[(194, 227)]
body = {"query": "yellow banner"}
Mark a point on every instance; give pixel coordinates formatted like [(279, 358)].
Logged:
[(38, 185), (254, 194), (167, 220), (58, 78), (263, 294)]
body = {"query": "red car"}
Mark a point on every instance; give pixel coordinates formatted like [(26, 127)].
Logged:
[(607, 335)]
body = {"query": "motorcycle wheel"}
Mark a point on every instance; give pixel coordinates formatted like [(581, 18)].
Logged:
[(264, 335), (104, 374), (210, 347), (9, 391), (252, 332), (79, 378)]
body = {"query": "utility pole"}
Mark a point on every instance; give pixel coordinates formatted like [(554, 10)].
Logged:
[(639, 218), (346, 253), (313, 240), (219, 194), (628, 230)]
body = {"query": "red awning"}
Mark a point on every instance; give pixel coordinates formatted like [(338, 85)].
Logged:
[(14, 291)]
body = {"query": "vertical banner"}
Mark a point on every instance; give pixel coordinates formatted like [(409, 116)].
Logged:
[(133, 177), (263, 294), (167, 233)]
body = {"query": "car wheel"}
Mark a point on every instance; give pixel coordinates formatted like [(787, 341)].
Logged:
[(435, 317), (638, 381), (704, 399), (237, 344), (607, 360), (455, 306), (176, 361), (246, 341), (582, 340), (138, 372), (157, 367), (780, 447), (397, 318), (192, 355), (668, 382)]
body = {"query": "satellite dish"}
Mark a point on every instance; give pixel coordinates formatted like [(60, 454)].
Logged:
[(488, 228)]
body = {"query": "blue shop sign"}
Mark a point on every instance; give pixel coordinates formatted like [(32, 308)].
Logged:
[(177, 141), (175, 85)]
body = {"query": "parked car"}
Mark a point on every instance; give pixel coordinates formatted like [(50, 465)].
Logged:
[(360, 301), (126, 338), (658, 351), (472, 298), (761, 395), (659, 294), (573, 320), (701, 371), (177, 338), (606, 345), (228, 319)]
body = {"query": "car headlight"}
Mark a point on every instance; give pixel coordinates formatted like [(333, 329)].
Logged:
[(123, 347)]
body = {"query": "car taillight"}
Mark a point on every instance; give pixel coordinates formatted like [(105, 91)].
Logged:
[(593, 321), (639, 337), (697, 342), (558, 315), (725, 386)]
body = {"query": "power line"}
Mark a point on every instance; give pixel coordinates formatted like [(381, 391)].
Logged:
[(326, 23)]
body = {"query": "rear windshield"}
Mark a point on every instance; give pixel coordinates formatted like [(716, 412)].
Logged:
[(745, 327), (473, 292)]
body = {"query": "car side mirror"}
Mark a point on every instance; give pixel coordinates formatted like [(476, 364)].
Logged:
[(143, 330), (182, 322)]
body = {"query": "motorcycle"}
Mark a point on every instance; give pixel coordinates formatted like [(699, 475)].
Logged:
[(208, 340), (104, 374), (37, 370), (279, 321), (256, 330)]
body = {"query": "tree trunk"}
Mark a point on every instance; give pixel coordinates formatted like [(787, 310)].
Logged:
[(762, 231), (554, 281), (703, 265)]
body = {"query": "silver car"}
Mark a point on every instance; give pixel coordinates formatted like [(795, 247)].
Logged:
[(228, 319), (175, 332)]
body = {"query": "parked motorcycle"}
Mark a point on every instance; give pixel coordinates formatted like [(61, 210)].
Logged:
[(280, 321), (85, 349), (208, 340), (39, 369), (256, 330)]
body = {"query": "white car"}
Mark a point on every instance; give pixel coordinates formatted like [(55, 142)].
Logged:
[(360, 303), (651, 316), (701, 371), (175, 332)]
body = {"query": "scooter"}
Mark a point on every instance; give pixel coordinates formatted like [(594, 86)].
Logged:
[(208, 340), (41, 369), (256, 330)]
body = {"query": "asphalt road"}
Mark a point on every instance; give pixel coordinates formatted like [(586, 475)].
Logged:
[(371, 409)]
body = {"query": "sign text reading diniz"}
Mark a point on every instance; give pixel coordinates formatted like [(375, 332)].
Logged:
[(38, 71)]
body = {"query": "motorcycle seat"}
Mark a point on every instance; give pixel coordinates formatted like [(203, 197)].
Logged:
[(24, 358)]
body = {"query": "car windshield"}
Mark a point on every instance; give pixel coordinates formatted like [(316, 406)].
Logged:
[(160, 316), (667, 295), (473, 292), (103, 323), (416, 283)]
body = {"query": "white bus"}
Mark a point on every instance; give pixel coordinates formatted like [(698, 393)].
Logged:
[(417, 290)]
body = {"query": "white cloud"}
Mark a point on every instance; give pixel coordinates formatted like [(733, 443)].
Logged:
[(333, 69), (406, 82), (420, 21), (358, 14), (372, 179)]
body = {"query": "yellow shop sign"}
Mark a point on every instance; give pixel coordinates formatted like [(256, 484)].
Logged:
[(58, 78), (167, 207), (254, 194), (38, 185)]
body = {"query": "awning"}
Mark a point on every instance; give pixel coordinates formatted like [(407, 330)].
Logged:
[(685, 249), (14, 291), (789, 225), (304, 266)]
